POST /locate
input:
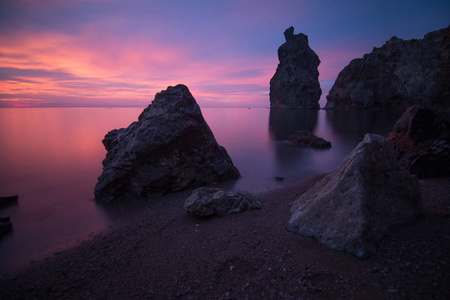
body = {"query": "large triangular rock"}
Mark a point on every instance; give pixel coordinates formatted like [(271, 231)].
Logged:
[(352, 208), (295, 83), (170, 148)]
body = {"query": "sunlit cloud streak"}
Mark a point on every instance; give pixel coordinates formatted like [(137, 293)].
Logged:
[(112, 53)]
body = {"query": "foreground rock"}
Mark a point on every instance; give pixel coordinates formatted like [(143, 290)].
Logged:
[(296, 80), (205, 202), (397, 75), (352, 208), (170, 148), (308, 139), (421, 141)]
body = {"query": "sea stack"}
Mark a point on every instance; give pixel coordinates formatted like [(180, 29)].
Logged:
[(399, 74), (169, 148), (296, 80)]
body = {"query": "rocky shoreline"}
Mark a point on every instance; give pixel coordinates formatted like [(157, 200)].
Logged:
[(162, 253)]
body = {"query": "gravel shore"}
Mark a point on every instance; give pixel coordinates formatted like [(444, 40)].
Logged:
[(162, 253)]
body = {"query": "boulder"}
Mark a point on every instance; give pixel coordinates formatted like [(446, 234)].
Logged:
[(296, 80), (205, 202), (308, 139), (352, 207), (421, 141), (169, 148), (399, 74)]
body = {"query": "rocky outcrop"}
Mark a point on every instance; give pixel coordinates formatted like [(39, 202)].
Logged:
[(308, 139), (399, 74), (296, 80), (205, 202), (421, 141), (352, 208), (169, 148)]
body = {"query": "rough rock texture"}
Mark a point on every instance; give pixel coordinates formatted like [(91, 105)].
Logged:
[(399, 74), (306, 138), (169, 148), (205, 202), (352, 208), (421, 141), (296, 80)]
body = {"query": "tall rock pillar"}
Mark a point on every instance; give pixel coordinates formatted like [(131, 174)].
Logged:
[(296, 80)]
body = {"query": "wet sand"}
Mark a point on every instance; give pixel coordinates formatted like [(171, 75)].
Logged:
[(162, 253)]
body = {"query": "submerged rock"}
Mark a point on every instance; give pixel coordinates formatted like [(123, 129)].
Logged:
[(205, 202), (6, 201), (308, 139), (295, 83), (5, 226), (421, 141), (399, 74), (352, 208), (169, 148)]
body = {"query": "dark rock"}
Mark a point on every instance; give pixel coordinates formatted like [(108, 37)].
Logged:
[(6, 201), (5, 226), (169, 148), (421, 141), (205, 202), (306, 138), (296, 80), (399, 74), (353, 207)]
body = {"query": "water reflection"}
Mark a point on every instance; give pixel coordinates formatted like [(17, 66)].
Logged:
[(51, 158), (284, 122)]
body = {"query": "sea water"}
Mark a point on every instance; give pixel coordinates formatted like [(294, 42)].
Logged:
[(51, 158)]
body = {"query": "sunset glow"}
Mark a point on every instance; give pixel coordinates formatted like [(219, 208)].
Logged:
[(112, 53)]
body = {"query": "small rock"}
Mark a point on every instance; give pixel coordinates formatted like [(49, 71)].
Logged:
[(306, 138), (206, 202)]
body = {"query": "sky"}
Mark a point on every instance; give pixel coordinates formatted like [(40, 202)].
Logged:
[(96, 53)]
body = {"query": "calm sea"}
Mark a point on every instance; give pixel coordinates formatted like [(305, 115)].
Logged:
[(51, 158)]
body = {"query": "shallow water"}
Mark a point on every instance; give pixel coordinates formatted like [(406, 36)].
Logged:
[(51, 158)]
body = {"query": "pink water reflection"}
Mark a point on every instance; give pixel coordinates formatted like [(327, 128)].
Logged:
[(51, 158)]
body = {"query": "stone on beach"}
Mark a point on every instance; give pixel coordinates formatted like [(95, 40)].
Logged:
[(352, 208), (295, 83), (306, 138), (169, 148), (205, 202), (421, 141)]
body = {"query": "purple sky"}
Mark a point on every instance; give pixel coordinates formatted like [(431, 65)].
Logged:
[(120, 53)]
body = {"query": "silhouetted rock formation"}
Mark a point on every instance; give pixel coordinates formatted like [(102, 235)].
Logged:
[(168, 149), (399, 74), (205, 202), (352, 207), (421, 141), (306, 138), (296, 80)]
